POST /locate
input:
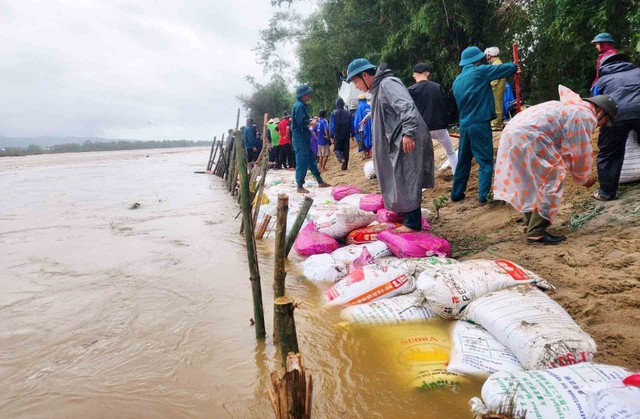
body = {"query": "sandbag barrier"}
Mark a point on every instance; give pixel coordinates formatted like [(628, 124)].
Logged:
[(446, 322)]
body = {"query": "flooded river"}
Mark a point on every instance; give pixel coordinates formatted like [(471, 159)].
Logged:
[(107, 311)]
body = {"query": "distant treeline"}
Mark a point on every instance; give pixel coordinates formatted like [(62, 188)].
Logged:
[(98, 146)]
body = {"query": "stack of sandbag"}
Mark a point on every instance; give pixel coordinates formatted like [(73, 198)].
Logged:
[(586, 390), (370, 233), (631, 166), (312, 242), (536, 329), (370, 283), (416, 244), (476, 352), (399, 309), (332, 267), (448, 288)]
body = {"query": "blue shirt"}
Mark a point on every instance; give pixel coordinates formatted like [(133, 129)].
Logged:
[(321, 128), (250, 140), (472, 90)]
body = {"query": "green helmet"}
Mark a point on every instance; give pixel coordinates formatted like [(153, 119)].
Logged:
[(357, 66), (606, 103)]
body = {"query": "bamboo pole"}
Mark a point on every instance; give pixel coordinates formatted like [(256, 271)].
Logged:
[(210, 162), (221, 164), (252, 255), (262, 228), (291, 395), (218, 155), (279, 273), (285, 326), (302, 215)]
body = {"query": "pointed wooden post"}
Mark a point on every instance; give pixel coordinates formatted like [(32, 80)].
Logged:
[(252, 254), (213, 146)]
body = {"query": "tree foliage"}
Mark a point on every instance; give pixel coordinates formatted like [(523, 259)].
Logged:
[(272, 98), (553, 35)]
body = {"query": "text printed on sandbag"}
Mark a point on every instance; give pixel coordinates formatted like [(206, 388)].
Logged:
[(381, 290)]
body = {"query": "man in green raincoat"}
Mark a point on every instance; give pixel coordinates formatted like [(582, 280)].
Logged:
[(402, 147), (472, 90)]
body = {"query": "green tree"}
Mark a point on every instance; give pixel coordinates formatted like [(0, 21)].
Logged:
[(272, 98)]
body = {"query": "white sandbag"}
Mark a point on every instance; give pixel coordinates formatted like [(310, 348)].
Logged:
[(352, 200), (475, 352), (613, 399), (370, 283), (369, 170), (348, 254), (341, 222), (449, 288), (323, 267), (400, 309), (631, 166), (415, 266), (549, 394), (535, 328)]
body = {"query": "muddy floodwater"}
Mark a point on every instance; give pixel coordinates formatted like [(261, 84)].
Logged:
[(107, 311)]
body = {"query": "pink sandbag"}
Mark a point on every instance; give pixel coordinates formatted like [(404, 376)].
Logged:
[(312, 242), (415, 244), (385, 216), (340, 192), (365, 258), (371, 202)]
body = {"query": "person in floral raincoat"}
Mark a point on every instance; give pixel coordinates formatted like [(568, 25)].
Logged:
[(539, 147)]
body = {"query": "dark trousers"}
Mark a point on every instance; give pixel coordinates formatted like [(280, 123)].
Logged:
[(475, 141), (612, 142), (341, 149), (413, 219), (287, 158), (252, 155), (534, 224), (306, 160)]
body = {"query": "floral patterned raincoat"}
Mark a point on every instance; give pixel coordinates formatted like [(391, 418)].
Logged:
[(537, 149)]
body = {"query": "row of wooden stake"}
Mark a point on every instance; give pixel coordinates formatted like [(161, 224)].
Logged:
[(291, 394)]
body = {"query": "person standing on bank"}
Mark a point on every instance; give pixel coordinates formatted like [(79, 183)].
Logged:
[(492, 54), (402, 147), (429, 99), (301, 138), (362, 126), (620, 80), (287, 156), (472, 91), (539, 147), (340, 132), (274, 142), (250, 141), (324, 143)]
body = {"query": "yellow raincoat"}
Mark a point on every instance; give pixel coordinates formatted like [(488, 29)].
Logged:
[(537, 149)]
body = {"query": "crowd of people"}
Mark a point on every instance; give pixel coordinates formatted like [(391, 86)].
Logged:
[(538, 147)]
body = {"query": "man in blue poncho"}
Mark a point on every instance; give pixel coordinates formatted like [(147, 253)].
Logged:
[(473, 94), (301, 139), (363, 126)]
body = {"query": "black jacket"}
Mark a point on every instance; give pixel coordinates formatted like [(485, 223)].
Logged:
[(429, 99), (621, 81), (340, 122)]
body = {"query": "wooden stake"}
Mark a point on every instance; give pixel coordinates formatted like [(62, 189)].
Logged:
[(279, 273), (210, 162), (252, 255), (291, 395), (263, 226), (302, 215), (285, 326)]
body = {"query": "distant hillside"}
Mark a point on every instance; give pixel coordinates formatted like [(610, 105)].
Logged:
[(49, 141)]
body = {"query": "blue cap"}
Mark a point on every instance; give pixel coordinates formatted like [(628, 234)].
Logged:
[(357, 66), (470, 55), (303, 89), (603, 37)]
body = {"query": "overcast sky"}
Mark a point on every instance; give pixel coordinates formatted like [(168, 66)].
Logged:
[(163, 69)]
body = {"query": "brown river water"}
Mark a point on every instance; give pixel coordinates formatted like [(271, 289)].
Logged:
[(107, 311)]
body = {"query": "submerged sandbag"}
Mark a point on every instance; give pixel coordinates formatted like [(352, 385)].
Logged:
[(339, 223), (371, 202), (399, 309), (342, 191), (323, 267), (548, 394), (448, 289), (312, 242), (369, 283), (476, 352), (369, 234), (416, 244), (536, 329)]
